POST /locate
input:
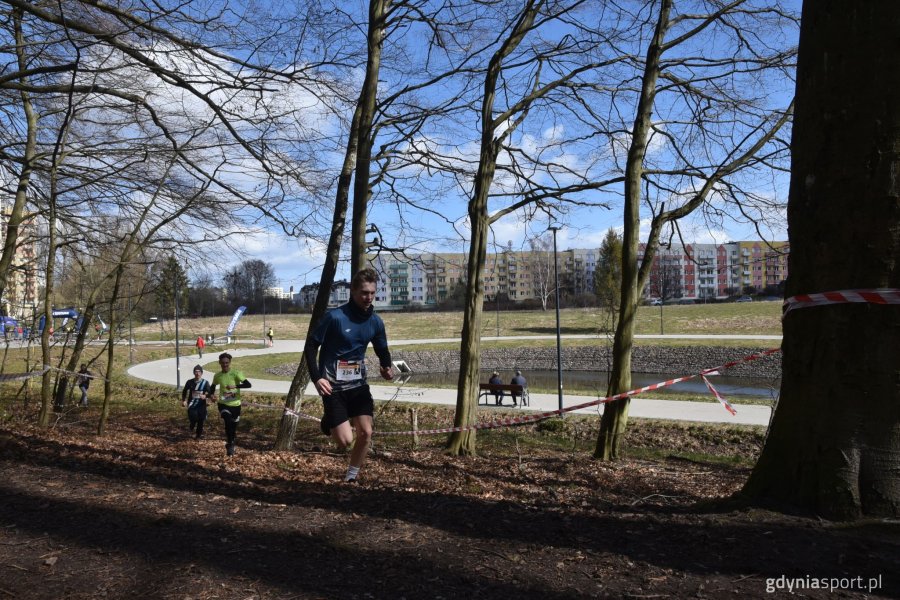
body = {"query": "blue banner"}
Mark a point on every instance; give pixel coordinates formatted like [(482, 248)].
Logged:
[(234, 320), (7, 323)]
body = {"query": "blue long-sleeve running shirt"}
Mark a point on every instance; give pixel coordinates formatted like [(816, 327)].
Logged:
[(340, 341)]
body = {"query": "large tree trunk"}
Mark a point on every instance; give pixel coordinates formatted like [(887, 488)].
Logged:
[(834, 445), (463, 443)]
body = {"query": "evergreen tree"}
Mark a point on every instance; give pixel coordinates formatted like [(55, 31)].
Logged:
[(169, 277), (608, 274)]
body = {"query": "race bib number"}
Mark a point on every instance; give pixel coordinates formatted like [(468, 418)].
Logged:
[(228, 396), (348, 370), (196, 395)]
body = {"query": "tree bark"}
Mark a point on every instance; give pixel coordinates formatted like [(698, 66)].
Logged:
[(17, 210), (48, 376), (615, 414), (834, 444), (287, 429), (378, 10), (463, 443), (110, 350)]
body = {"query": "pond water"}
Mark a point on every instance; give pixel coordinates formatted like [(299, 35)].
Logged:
[(595, 382)]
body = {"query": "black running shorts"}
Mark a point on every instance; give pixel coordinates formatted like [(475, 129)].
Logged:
[(341, 406)]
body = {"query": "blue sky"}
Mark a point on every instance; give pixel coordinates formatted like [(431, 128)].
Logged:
[(298, 261)]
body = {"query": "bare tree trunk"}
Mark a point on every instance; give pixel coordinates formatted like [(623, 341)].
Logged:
[(18, 208), (463, 443), (635, 268), (833, 448), (48, 377), (110, 351), (378, 10), (358, 155), (615, 415), (288, 426), (469, 352)]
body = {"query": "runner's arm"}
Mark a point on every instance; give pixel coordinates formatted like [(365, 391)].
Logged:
[(384, 357)]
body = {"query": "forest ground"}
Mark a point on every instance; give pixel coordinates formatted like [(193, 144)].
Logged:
[(146, 511)]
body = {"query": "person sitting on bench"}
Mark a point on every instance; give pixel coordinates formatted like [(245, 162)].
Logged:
[(498, 394), (517, 380)]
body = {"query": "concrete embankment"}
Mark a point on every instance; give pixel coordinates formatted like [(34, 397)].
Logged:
[(646, 359)]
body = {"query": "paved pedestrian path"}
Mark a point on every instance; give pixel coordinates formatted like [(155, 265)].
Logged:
[(164, 372)]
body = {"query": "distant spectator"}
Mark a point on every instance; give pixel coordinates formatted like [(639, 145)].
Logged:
[(271, 335), (495, 380), (517, 379), (200, 345), (83, 381)]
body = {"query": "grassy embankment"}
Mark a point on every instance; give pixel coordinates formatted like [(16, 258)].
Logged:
[(759, 318)]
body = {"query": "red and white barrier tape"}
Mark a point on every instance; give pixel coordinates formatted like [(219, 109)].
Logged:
[(302, 415), (283, 409), (718, 396), (524, 420), (23, 376), (873, 296), (513, 421), (75, 373)]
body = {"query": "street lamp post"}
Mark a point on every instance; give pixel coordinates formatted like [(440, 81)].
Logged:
[(498, 307), (130, 330), (661, 318), (554, 229), (177, 346)]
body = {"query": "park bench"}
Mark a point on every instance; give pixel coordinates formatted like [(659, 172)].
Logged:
[(486, 391)]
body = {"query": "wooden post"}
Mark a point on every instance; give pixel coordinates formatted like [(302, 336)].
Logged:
[(414, 424)]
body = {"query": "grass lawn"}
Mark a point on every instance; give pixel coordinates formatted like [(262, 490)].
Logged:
[(748, 318)]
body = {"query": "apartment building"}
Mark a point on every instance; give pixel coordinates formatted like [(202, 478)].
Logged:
[(339, 294), (711, 271), (416, 280), (429, 279), (690, 272), (25, 279)]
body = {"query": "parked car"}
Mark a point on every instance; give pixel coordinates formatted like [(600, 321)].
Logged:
[(656, 302), (744, 299)]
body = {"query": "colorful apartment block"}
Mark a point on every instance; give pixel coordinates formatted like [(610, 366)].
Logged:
[(716, 271), (25, 279)]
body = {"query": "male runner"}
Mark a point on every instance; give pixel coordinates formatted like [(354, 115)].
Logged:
[(340, 373), (232, 382)]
